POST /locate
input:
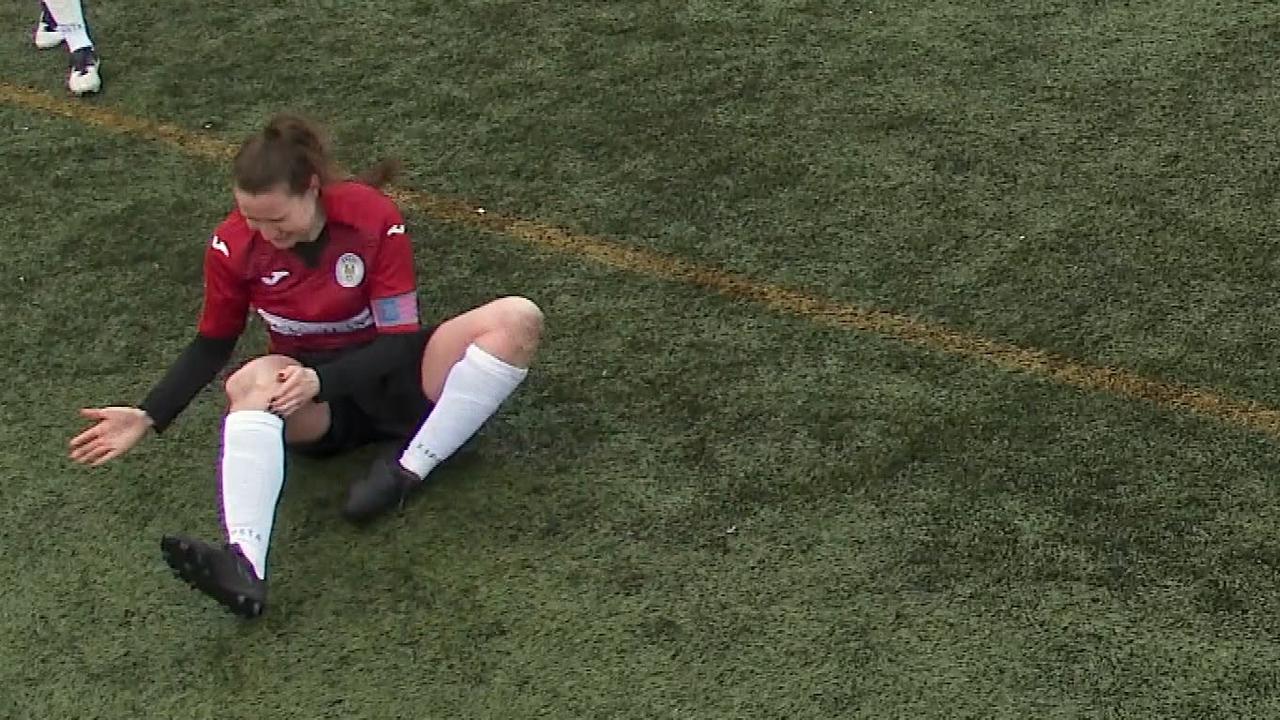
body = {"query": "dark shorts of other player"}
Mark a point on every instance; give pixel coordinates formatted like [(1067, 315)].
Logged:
[(388, 408)]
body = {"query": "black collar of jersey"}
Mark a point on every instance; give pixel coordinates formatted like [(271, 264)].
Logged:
[(310, 252)]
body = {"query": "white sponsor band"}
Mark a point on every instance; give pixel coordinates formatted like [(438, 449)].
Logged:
[(288, 326)]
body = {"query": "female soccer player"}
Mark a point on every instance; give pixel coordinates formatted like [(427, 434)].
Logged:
[(326, 264), (62, 22)]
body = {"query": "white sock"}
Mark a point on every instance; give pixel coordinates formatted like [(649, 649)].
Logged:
[(70, 18), (475, 387), (252, 476)]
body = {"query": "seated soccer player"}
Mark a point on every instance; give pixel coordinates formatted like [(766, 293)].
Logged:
[(326, 263)]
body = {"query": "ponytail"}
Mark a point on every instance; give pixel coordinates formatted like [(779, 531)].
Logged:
[(380, 173), (289, 150)]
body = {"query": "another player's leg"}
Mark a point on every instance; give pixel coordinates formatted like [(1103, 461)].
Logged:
[(252, 477), (471, 364), (47, 34), (68, 16)]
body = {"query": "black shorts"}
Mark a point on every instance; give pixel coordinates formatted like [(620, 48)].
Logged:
[(391, 408)]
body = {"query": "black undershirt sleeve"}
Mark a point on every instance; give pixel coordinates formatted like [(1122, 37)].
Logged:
[(198, 364), (204, 357), (363, 366)]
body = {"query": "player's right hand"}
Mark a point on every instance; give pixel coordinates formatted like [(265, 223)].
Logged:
[(114, 432)]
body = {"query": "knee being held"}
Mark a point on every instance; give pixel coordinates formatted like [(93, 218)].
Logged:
[(255, 381)]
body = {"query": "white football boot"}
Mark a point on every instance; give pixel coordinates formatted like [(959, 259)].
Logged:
[(83, 77)]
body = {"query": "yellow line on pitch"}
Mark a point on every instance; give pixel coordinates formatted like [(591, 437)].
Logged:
[(666, 267)]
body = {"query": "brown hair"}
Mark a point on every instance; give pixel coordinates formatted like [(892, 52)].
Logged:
[(289, 150)]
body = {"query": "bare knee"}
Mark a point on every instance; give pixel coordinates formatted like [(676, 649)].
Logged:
[(251, 387), (508, 328), (521, 319)]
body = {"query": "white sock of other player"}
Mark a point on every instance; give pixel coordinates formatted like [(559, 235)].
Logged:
[(475, 387), (69, 14), (252, 476)]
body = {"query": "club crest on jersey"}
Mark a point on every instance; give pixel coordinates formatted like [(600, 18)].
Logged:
[(350, 270)]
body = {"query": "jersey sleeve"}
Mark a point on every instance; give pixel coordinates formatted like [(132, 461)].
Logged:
[(393, 291), (226, 293)]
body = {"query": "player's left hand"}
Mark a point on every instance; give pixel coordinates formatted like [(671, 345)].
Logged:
[(297, 386)]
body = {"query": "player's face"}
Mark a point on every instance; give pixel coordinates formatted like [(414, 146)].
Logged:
[(282, 218)]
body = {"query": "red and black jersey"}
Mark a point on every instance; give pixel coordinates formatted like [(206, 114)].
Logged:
[(354, 289), (362, 285)]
